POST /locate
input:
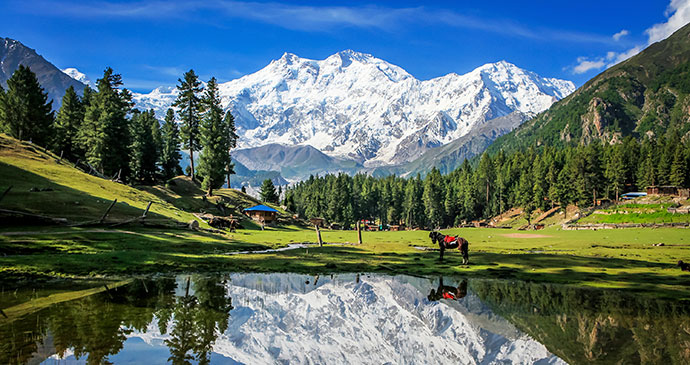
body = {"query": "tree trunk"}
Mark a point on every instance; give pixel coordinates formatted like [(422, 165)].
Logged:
[(318, 233), (359, 232), (191, 161), (210, 191)]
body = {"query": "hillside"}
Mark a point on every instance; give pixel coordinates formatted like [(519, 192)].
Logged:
[(647, 95), (45, 185), (293, 162)]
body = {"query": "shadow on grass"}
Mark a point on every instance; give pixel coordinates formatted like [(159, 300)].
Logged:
[(58, 200)]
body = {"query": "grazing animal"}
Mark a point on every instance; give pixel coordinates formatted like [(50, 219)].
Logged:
[(448, 292), (684, 266), (449, 242)]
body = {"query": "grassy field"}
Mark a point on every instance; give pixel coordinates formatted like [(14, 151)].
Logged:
[(624, 259), (43, 184)]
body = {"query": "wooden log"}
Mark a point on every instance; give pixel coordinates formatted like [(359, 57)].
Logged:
[(5, 193), (146, 211), (318, 233), (107, 211)]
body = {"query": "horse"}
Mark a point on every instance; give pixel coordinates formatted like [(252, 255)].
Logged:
[(449, 242), (448, 292)]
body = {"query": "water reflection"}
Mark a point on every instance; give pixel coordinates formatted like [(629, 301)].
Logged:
[(277, 318)]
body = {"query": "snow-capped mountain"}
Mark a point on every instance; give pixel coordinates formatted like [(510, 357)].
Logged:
[(77, 75), (356, 106), (283, 318)]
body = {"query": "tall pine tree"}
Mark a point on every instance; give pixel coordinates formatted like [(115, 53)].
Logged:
[(229, 121), (26, 112), (105, 133), (170, 151), (67, 124), (144, 148), (433, 197), (215, 157), (189, 107)]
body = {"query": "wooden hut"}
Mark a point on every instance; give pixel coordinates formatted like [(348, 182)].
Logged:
[(662, 190), (262, 214)]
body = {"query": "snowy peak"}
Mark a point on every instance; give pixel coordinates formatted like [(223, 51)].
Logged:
[(355, 106), (75, 74)]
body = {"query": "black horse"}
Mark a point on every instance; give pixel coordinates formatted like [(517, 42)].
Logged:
[(448, 292), (449, 242)]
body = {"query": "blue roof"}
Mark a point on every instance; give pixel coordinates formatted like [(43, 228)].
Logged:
[(260, 208)]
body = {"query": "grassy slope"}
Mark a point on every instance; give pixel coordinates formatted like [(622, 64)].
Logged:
[(75, 195)]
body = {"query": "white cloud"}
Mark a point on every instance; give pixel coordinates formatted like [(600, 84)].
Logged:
[(584, 64), (621, 34), (679, 11), (298, 17), (678, 14)]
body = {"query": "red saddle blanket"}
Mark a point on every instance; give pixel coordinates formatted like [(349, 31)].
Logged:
[(450, 239)]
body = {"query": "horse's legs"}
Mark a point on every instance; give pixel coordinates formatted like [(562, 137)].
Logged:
[(443, 248)]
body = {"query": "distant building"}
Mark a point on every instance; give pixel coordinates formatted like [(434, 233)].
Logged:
[(662, 190), (262, 214)]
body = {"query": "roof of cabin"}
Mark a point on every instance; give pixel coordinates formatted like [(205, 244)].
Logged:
[(260, 208)]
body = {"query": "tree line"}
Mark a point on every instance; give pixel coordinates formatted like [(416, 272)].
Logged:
[(535, 178), (103, 129)]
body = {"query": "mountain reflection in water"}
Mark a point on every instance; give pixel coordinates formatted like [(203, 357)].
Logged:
[(291, 318)]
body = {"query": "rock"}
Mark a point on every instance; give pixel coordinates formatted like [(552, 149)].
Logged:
[(193, 224)]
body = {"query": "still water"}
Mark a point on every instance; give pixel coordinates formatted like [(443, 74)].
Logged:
[(348, 318)]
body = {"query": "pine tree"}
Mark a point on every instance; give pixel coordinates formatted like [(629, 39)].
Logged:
[(215, 157), (413, 209), (105, 133), (26, 112), (189, 107), (433, 197), (678, 168), (268, 192), (67, 124), (232, 142), (615, 171), (170, 151), (144, 150)]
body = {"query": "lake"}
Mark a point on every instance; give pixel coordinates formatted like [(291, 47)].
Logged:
[(246, 318)]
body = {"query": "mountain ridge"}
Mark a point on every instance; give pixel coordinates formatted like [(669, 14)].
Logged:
[(646, 95), (53, 80), (355, 106)]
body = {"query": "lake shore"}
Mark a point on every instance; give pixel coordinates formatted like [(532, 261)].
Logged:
[(629, 259)]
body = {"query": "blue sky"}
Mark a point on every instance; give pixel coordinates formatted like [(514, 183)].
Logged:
[(151, 43)]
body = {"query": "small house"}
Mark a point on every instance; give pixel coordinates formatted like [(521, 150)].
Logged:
[(262, 214), (662, 190)]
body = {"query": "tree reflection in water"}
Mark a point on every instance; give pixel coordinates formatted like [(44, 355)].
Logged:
[(198, 319), (97, 326), (578, 325)]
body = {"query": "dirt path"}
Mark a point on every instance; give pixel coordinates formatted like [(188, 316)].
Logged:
[(525, 235)]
